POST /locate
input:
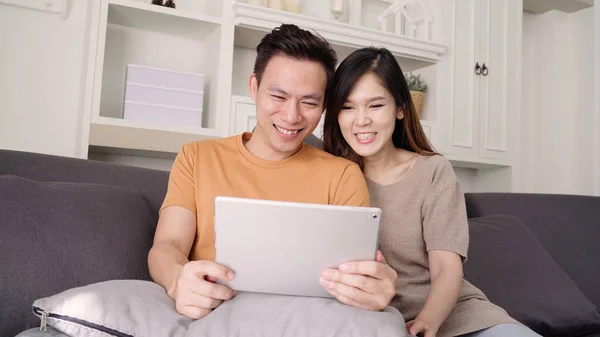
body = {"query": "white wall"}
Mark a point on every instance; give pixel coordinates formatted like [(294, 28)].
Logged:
[(557, 154), (41, 82), (597, 101)]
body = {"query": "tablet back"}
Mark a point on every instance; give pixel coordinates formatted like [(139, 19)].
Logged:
[(283, 247)]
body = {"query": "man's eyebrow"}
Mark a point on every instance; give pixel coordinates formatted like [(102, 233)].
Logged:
[(315, 96), (277, 89)]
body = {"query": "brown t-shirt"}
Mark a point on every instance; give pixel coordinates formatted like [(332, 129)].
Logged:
[(425, 211), (224, 167)]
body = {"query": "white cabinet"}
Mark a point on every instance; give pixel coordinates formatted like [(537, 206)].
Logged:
[(480, 80)]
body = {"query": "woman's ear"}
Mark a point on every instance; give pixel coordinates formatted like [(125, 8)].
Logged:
[(400, 114), (253, 86)]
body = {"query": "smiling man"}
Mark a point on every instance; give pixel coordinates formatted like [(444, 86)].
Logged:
[(292, 72)]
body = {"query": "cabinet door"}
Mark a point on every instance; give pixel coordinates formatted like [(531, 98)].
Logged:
[(458, 119), (499, 95)]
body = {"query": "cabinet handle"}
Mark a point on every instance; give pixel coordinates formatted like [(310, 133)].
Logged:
[(484, 70), (477, 69)]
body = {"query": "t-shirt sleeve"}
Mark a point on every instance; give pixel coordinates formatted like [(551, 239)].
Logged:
[(445, 225), (181, 188), (352, 188)]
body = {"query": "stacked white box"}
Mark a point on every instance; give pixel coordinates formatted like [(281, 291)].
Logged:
[(163, 97)]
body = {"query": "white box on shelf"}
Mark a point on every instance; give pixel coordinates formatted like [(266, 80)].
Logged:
[(163, 97), (162, 115), (164, 78)]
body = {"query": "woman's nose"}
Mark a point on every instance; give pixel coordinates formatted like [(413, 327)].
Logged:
[(362, 117)]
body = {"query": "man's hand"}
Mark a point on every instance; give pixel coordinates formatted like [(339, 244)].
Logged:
[(369, 285), (196, 294), (420, 327)]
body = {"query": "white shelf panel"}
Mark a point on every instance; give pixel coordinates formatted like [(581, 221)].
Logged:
[(166, 20), (253, 22), (131, 135)]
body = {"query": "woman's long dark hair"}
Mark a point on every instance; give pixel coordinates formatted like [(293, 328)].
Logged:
[(408, 133)]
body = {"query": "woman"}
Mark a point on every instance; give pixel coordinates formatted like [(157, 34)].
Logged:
[(424, 236)]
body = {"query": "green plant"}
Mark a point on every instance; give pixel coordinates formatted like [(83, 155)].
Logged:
[(415, 83), (170, 3), (157, 2)]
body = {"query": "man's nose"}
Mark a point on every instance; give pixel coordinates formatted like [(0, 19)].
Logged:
[(291, 113)]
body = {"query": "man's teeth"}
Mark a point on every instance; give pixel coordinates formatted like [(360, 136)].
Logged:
[(286, 132), (365, 136)]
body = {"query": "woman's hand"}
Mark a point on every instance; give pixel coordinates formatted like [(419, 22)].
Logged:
[(420, 327), (369, 285)]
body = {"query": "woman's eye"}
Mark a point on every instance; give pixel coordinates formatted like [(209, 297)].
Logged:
[(376, 106), (345, 107)]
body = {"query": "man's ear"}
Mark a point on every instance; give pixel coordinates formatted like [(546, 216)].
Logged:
[(253, 86), (400, 114)]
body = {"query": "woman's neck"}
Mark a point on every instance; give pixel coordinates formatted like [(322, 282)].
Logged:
[(388, 165)]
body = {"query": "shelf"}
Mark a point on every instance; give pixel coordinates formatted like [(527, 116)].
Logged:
[(118, 133), (253, 22), (156, 18)]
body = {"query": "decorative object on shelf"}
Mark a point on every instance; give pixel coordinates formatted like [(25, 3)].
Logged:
[(275, 4), (256, 2), (170, 3), (337, 8), (405, 21), (417, 88), (157, 2), (355, 12), (292, 6), (163, 97)]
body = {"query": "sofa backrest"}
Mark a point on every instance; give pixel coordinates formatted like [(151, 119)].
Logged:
[(567, 226), (152, 184)]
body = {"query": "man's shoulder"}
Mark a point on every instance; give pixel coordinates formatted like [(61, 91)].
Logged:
[(201, 147)]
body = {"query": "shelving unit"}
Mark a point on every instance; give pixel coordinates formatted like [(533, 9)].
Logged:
[(217, 39)]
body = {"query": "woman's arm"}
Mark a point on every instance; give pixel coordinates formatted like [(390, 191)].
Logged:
[(446, 277)]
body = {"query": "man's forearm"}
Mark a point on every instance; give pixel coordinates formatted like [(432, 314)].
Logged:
[(165, 262)]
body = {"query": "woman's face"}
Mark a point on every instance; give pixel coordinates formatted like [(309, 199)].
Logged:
[(368, 116)]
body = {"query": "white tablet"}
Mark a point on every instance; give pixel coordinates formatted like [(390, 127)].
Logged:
[(282, 247)]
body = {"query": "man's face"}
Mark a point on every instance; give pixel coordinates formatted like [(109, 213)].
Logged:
[(289, 104)]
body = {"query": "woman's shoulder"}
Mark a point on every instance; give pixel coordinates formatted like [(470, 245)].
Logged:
[(438, 168)]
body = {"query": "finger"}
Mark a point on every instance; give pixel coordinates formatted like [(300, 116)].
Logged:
[(192, 311), (200, 301), (380, 257), (429, 333), (409, 324), (351, 293), (365, 283), (374, 269), (209, 268), (346, 300), (417, 327), (213, 290)]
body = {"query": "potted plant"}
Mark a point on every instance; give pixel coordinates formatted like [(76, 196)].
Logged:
[(417, 91)]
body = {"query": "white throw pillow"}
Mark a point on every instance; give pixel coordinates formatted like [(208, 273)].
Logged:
[(140, 308)]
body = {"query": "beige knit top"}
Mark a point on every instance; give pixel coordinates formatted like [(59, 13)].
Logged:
[(423, 211)]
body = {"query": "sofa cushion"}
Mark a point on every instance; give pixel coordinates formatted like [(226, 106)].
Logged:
[(567, 226), (512, 268), (142, 308), (57, 236)]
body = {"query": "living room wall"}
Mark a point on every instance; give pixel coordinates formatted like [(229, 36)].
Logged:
[(559, 133), (42, 60)]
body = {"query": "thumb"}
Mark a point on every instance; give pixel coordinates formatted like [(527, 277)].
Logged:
[(380, 257)]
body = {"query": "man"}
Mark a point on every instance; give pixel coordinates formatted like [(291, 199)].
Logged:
[(292, 71)]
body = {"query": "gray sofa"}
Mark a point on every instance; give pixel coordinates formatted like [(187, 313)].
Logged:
[(68, 222)]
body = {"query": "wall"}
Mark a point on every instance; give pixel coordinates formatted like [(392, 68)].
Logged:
[(557, 154), (41, 82), (597, 101)]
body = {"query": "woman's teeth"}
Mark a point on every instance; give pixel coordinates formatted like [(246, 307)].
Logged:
[(365, 136), (286, 131)]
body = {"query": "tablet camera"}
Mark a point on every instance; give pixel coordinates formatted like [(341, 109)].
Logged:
[(374, 216)]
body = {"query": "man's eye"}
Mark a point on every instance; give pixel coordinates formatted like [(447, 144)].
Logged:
[(277, 97), (310, 104)]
